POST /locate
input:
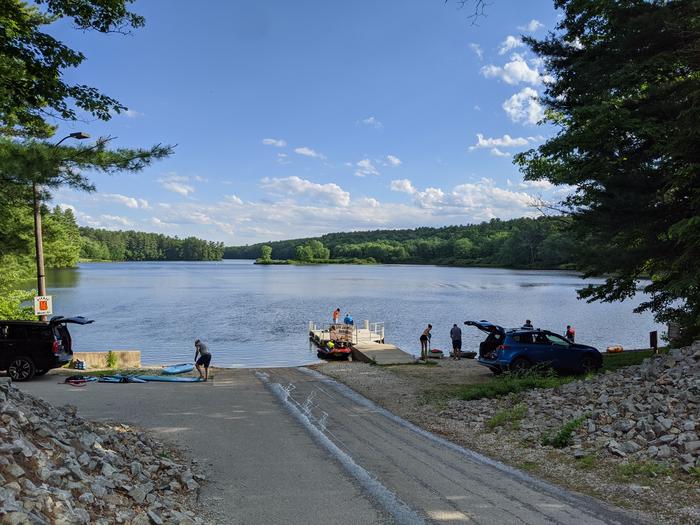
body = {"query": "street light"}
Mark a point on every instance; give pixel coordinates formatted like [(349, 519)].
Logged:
[(40, 277)]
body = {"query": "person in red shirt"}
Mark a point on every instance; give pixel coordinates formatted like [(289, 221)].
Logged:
[(570, 333)]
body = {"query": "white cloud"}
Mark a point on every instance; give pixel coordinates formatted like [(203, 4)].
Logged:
[(107, 221), (498, 153), (482, 200), (365, 167), (130, 113), (506, 141), (514, 72), (308, 152), (403, 186), (476, 48), (129, 202), (372, 121), (524, 107), (161, 224), (536, 184), (278, 143), (393, 161), (176, 184), (532, 26), (511, 42), (234, 198), (321, 194)]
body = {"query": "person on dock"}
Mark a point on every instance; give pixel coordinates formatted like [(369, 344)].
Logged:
[(348, 319), (456, 336), (570, 333), (424, 338), (528, 325), (202, 358), (336, 316)]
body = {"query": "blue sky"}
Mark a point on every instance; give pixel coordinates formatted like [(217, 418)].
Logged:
[(301, 118)]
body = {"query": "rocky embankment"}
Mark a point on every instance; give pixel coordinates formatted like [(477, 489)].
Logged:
[(57, 468), (643, 413)]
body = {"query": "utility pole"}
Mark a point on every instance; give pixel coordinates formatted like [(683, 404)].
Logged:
[(38, 237)]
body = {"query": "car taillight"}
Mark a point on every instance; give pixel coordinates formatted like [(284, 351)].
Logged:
[(503, 347), (55, 347)]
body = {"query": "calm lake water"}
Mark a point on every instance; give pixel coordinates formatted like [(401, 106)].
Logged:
[(258, 315)]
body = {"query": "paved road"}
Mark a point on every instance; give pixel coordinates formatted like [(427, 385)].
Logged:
[(319, 453)]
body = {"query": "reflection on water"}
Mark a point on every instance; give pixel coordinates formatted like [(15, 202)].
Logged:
[(257, 315), (65, 278)]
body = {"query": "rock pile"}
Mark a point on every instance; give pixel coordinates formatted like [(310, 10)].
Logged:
[(644, 412), (56, 468)]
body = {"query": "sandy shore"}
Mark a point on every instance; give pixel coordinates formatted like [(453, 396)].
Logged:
[(419, 394)]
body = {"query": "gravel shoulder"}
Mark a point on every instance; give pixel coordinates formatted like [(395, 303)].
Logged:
[(424, 395)]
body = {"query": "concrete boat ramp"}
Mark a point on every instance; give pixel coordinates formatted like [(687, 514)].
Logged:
[(290, 446)]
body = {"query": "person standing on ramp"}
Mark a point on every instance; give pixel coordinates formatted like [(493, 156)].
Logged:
[(202, 358), (456, 336)]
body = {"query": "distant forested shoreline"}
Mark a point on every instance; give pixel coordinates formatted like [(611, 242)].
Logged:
[(540, 243)]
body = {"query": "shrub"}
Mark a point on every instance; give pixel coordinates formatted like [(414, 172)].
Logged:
[(111, 359), (511, 415), (563, 437)]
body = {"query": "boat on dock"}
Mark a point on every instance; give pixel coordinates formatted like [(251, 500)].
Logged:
[(335, 340), (365, 343)]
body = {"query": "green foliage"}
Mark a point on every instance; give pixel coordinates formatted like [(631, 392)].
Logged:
[(626, 100), (111, 359), (526, 243), (642, 469), (512, 415), (141, 246), (33, 64), (586, 462), (612, 362), (17, 263), (563, 437), (511, 383), (266, 253)]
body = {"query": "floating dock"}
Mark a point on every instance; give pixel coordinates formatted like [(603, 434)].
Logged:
[(381, 354), (366, 342)]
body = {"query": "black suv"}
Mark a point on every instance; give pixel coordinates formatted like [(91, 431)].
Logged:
[(32, 348)]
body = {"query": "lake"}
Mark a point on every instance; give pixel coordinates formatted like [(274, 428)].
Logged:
[(256, 316)]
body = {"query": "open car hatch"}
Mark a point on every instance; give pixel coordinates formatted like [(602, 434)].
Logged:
[(486, 326), (59, 319)]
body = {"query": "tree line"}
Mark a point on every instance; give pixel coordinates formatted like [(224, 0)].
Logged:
[(517, 243), (65, 243), (98, 244)]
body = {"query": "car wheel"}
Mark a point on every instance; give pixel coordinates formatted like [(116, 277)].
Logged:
[(21, 369), (520, 364), (588, 364)]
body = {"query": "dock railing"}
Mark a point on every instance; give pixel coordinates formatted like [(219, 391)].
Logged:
[(350, 334)]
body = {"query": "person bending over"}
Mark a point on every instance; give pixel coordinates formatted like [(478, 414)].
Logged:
[(202, 358)]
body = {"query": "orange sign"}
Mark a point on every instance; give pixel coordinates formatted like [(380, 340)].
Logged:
[(43, 305)]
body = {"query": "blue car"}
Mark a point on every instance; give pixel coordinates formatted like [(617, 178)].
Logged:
[(518, 349)]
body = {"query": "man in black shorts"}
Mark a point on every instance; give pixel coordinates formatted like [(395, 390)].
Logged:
[(456, 336), (204, 359)]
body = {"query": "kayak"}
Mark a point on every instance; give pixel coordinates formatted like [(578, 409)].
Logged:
[(178, 369), (112, 379), (435, 354), (170, 379)]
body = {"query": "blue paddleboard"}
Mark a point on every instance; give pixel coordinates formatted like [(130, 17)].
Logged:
[(179, 369), (170, 379)]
